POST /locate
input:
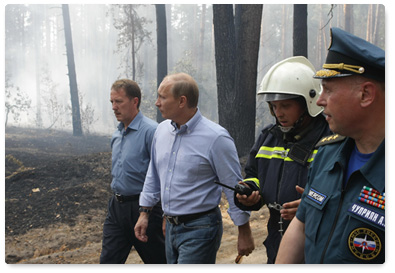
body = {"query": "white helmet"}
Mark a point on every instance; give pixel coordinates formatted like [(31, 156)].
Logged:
[(291, 78)]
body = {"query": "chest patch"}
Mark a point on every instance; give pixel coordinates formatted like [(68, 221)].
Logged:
[(316, 196), (364, 244), (368, 214)]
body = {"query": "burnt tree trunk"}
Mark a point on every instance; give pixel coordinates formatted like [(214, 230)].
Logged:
[(162, 48), (75, 104), (248, 28), (236, 55), (300, 30), (225, 54)]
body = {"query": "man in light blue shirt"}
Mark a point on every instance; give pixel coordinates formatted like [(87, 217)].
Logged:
[(131, 146), (190, 152), (131, 155)]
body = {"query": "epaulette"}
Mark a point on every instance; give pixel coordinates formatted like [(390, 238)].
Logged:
[(330, 139)]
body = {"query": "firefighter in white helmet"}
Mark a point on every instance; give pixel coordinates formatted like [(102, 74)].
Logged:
[(279, 160)]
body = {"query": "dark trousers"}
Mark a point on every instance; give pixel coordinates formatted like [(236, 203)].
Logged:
[(273, 239), (118, 234)]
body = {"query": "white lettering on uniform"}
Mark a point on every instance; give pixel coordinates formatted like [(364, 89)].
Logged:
[(374, 218), (381, 221), (316, 196), (355, 208), (368, 214)]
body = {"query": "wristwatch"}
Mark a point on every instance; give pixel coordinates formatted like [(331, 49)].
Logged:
[(141, 209)]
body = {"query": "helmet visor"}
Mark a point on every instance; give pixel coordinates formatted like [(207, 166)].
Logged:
[(278, 96)]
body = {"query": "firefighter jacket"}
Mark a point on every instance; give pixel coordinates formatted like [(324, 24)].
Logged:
[(277, 163)]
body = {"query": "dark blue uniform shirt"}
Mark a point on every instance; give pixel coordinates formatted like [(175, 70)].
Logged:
[(338, 227)]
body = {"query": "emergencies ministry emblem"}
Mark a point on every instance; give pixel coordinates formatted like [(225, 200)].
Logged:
[(364, 243)]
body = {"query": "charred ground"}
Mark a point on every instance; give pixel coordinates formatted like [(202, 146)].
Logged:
[(52, 178)]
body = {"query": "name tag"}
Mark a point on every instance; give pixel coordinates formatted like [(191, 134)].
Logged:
[(316, 196), (368, 214)]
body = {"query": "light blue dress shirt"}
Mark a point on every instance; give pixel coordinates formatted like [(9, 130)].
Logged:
[(131, 155), (185, 163)]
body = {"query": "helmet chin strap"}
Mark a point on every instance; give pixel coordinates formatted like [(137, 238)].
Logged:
[(291, 129), (285, 129)]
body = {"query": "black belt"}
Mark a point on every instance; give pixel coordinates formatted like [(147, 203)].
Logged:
[(126, 198), (176, 220)]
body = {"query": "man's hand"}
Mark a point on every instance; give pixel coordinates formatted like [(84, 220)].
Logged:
[(289, 209), (245, 242), (250, 200), (141, 227)]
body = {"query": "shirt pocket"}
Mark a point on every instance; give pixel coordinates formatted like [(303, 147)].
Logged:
[(187, 168), (315, 209)]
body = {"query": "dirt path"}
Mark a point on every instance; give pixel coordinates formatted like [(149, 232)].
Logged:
[(81, 243)]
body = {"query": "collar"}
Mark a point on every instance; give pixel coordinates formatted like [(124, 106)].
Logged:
[(373, 170), (306, 139), (190, 125), (134, 125)]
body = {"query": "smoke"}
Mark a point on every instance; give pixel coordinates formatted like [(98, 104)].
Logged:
[(35, 55)]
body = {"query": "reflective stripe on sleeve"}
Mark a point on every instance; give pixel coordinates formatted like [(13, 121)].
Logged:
[(278, 153), (255, 180)]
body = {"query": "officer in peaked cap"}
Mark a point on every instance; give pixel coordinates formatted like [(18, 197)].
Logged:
[(350, 55), (341, 218)]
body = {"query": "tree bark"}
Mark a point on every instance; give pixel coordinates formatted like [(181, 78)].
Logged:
[(75, 105), (248, 26), (225, 54), (300, 30), (161, 47), (236, 55)]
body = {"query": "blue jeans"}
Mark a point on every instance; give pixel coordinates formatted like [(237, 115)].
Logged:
[(196, 241)]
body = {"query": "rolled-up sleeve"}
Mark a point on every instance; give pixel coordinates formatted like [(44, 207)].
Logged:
[(150, 195), (227, 167)]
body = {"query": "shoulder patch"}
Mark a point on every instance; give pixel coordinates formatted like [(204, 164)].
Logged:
[(330, 139)]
